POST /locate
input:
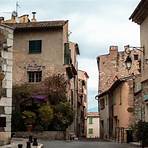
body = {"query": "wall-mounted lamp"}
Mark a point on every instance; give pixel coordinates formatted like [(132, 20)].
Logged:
[(128, 62), (128, 48), (97, 98), (4, 46)]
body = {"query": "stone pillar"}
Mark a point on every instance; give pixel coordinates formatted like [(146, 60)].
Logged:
[(6, 40)]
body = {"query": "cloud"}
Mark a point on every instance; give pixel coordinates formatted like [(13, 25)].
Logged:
[(95, 25)]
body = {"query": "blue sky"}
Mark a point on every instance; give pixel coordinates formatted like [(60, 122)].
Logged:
[(95, 25)]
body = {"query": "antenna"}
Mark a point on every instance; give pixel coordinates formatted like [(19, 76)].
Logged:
[(17, 6)]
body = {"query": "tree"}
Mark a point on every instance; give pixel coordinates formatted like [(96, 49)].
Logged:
[(63, 116), (55, 112), (46, 115), (29, 117), (20, 94), (56, 86)]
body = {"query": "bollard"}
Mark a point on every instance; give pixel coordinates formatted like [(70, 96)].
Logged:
[(28, 144), (20, 145), (35, 143), (30, 139)]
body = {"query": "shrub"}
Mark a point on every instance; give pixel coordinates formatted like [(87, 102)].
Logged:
[(46, 115), (29, 117), (141, 131)]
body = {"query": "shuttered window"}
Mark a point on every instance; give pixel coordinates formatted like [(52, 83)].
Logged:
[(90, 130), (35, 46), (67, 54), (90, 120)]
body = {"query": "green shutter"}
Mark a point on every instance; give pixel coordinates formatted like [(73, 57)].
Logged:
[(90, 120), (35, 46), (67, 53)]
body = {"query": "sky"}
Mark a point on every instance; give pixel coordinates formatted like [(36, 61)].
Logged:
[(94, 25)]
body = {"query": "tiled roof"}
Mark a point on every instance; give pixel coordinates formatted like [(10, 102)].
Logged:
[(115, 84), (93, 114), (37, 25)]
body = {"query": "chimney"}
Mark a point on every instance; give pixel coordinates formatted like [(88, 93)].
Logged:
[(1, 19), (33, 19), (113, 51)]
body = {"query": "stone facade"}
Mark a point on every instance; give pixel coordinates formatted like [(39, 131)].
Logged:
[(114, 105), (73, 129), (6, 55), (82, 103), (112, 66), (55, 54), (140, 16), (46, 135), (139, 110)]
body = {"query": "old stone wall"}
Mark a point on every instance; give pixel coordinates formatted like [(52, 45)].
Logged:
[(48, 135), (112, 66), (6, 85)]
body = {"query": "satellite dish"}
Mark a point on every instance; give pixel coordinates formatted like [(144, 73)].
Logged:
[(14, 14)]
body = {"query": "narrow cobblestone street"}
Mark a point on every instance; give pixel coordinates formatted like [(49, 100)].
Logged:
[(83, 144)]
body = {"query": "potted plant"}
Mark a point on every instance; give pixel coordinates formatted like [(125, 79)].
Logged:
[(29, 119)]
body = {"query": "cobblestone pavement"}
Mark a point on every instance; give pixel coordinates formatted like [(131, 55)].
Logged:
[(83, 144)]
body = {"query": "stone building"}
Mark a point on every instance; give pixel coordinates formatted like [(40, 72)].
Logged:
[(6, 54), (113, 69), (112, 66), (139, 110), (82, 103), (117, 110), (140, 16), (42, 48), (93, 127), (74, 87)]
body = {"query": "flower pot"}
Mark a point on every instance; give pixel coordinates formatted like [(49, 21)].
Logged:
[(29, 127)]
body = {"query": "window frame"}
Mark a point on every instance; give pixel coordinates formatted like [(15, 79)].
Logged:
[(90, 119), (35, 51), (136, 57), (36, 76), (90, 131)]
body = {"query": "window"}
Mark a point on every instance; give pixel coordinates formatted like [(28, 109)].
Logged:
[(35, 46), (67, 54), (34, 76), (135, 56), (90, 130), (2, 121), (102, 103), (90, 120)]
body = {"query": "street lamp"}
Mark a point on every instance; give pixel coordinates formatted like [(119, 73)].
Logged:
[(97, 98), (128, 61), (128, 64)]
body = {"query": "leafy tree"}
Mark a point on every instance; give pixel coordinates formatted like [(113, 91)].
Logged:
[(55, 113), (46, 115), (29, 117), (21, 94), (56, 86), (63, 115)]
